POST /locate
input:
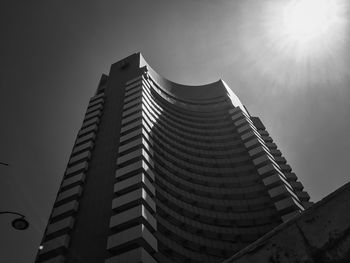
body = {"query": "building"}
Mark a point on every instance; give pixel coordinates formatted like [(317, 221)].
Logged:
[(163, 172)]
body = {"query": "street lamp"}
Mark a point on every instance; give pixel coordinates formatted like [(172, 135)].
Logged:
[(19, 223), (4, 164)]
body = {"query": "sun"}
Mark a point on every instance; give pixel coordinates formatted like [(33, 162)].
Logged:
[(309, 20), (299, 43), (306, 27)]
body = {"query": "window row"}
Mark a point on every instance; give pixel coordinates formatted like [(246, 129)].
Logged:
[(179, 229), (235, 206), (152, 128), (201, 133), (187, 250), (226, 193), (211, 114), (199, 178), (146, 112), (239, 218), (229, 233), (219, 172), (215, 126), (198, 105), (193, 161)]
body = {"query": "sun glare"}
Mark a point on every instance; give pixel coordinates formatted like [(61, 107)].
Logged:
[(306, 20), (311, 27), (302, 42)]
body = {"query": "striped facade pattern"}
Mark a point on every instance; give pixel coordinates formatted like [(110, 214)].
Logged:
[(57, 235), (195, 179), (205, 177)]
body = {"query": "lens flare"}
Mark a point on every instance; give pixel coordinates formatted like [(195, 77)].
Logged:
[(298, 42), (307, 20)]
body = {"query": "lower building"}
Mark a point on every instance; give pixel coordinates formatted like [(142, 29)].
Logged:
[(163, 172), (321, 234)]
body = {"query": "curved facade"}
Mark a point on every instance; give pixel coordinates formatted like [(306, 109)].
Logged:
[(167, 173)]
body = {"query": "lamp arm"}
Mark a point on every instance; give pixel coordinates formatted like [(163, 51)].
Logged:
[(10, 212)]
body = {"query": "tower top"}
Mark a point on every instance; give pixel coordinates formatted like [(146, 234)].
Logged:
[(189, 93)]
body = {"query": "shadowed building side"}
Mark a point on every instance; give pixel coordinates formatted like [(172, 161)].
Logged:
[(164, 172)]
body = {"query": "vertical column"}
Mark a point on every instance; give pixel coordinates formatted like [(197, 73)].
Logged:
[(280, 190), (62, 219), (132, 223)]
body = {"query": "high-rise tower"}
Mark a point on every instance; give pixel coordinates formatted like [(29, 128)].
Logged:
[(163, 172)]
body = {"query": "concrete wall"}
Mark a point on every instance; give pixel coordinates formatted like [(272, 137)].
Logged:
[(318, 235)]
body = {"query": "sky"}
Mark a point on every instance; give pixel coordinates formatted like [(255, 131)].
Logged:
[(54, 52)]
